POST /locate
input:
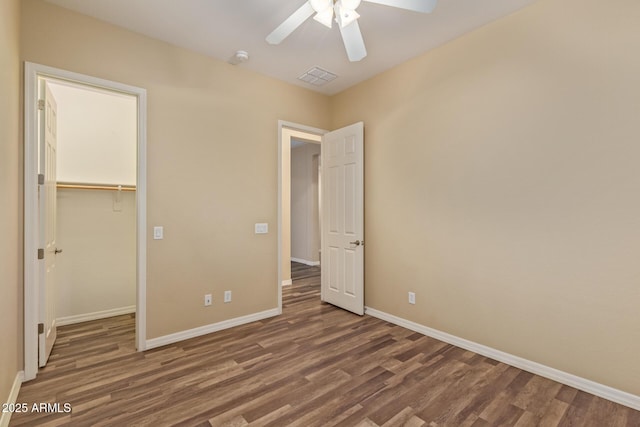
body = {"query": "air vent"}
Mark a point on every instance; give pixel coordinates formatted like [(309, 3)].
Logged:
[(317, 76)]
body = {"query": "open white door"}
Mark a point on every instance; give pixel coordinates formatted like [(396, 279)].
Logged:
[(343, 218), (47, 222)]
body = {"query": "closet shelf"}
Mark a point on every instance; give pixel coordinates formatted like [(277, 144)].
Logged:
[(79, 186)]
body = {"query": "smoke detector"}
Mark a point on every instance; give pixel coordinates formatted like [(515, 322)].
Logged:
[(239, 57)]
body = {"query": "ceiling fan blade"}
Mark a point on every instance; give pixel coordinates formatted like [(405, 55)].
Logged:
[(424, 6), (291, 23), (353, 41)]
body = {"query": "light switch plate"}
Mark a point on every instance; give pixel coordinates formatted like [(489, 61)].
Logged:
[(158, 233), (262, 228)]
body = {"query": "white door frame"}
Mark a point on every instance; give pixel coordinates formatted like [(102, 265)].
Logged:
[(281, 152), (31, 230)]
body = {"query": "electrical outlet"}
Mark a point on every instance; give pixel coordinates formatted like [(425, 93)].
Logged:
[(262, 228), (158, 233), (227, 296), (208, 300), (412, 298)]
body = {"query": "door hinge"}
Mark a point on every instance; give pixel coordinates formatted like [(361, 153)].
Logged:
[(40, 179), (40, 104), (40, 328), (40, 253)]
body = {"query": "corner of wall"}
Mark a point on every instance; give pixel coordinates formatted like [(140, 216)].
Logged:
[(10, 209)]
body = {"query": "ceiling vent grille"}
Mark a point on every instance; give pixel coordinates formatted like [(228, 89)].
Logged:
[(317, 76)]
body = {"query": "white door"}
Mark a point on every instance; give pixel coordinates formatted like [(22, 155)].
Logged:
[(343, 218), (47, 221)]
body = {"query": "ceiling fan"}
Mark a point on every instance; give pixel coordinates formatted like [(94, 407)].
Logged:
[(345, 16)]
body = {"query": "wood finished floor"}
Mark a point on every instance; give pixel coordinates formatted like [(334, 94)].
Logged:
[(315, 365)]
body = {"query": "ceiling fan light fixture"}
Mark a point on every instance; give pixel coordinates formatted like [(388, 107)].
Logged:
[(325, 17), (321, 5), (345, 16), (350, 4)]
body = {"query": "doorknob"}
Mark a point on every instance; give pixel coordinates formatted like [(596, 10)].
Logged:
[(357, 243), (57, 251)]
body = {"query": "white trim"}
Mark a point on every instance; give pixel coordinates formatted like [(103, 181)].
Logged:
[(301, 128), (207, 329), (288, 282), (30, 223), (601, 390), (141, 224), (31, 73), (5, 417), (306, 262), (87, 317)]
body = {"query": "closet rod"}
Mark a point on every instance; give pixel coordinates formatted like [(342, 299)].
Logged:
[(111, 187)]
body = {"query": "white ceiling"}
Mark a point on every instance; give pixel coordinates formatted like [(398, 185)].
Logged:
[(218, 28)]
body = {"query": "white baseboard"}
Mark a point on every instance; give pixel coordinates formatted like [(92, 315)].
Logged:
[(207, 329), (601, 390), (79, 318), (287, 282), (5, 417), (306, 262)]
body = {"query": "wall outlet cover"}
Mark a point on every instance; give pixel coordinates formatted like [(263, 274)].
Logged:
[(262, 228)]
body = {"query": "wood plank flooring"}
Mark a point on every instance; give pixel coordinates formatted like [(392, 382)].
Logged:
[(304, 275), (315, 365)]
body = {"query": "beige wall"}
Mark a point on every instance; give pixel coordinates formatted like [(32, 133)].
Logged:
[(502, 186), (97, 132), (305, 226), (10, 207), (212, 156), (97, 268)]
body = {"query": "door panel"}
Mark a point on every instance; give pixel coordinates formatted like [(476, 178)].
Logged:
[(47, 199), (350, 211), (343, 209), (333, 268)]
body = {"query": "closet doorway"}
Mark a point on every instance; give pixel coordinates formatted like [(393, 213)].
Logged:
[(95, 202), (94, 187)]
